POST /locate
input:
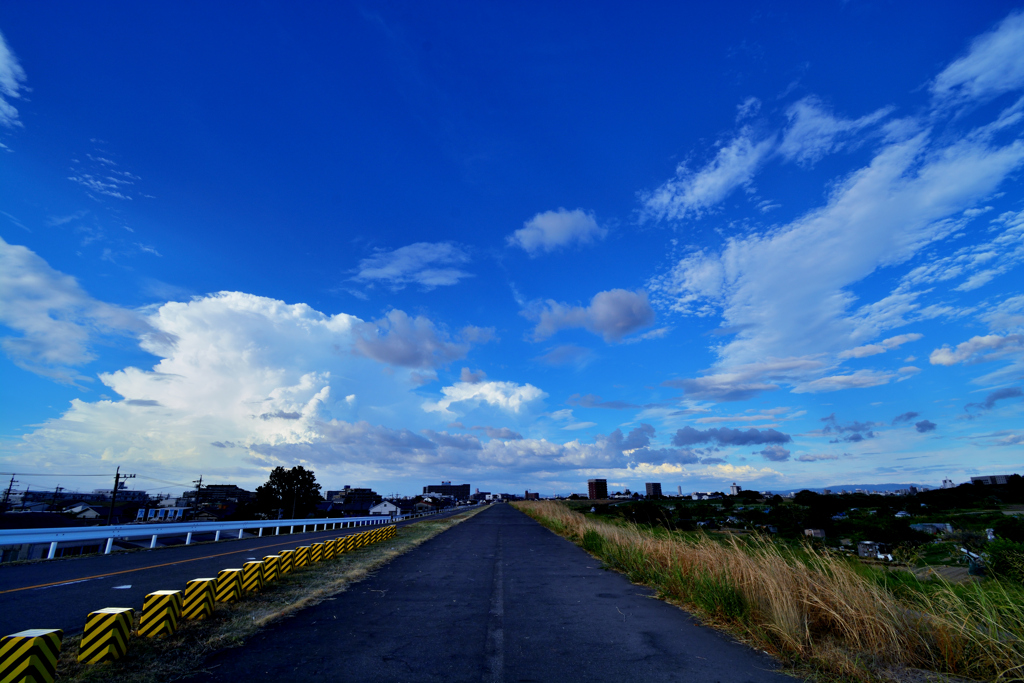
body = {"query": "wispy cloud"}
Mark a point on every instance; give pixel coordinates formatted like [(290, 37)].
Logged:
[(427, 264), (613, 315), (993, 65), (12, 81)]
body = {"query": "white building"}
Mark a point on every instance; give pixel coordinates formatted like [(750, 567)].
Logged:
[(386, 508)]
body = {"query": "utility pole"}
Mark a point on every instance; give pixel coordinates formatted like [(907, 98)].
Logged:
[(199, 488), (7, 493), (113, 498)]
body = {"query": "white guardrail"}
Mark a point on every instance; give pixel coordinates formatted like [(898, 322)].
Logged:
[(124, 532)]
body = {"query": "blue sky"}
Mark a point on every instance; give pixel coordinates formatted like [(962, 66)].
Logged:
[(513, 245)]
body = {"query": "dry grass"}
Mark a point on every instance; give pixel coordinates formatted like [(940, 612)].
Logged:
[(168, 659), (820, 612)]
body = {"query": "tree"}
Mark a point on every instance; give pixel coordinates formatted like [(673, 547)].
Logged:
[(294, 492)]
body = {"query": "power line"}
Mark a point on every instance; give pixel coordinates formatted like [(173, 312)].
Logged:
[(47, 474)]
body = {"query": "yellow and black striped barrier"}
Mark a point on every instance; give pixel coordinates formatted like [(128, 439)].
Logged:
[(316, 553), (252, 576), (270, 563), (199, 597), (160, 612), (285, 563), (106, 634), (329, 547), (229, 585), (30, 655), (301, 557)]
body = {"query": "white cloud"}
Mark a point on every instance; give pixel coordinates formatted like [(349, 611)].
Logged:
[(612, 314), (552, 230), (860, 379), (428, 264), (979, 349), (56, 318), (12, 78), (993, 65), (881, 347), (749, 107), (693, 193), (815, 132), (507, 396)]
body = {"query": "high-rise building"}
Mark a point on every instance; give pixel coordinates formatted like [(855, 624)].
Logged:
[(597, 489), (653, 489), (734, 490)]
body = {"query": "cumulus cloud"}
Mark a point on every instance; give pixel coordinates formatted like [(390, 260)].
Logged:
[(463, 442), (814, 131), (12, 79), (399, 339), (881, 347), (612, 315), (57, 320), (553, 230), (693, 193), (724, 436), (993, 65), (472, 377), (775, 454), (507, 396), (925, 426), (428, 264)]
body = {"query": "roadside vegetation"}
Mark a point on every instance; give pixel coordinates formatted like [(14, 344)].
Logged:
[(823, 612), (170, 658)]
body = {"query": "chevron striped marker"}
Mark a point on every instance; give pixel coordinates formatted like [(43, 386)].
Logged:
[(270, 565), (316, 553), (285, 564), (199, 597), (106, 634), (30, 656), (301, 557), (330, 549), (160, 612), (229, 585), (252, 576)]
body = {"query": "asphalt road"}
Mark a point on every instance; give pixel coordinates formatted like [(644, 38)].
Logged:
[(496, 598), (60, 593)]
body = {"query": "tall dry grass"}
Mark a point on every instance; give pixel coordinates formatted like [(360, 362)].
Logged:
[(817, 610)]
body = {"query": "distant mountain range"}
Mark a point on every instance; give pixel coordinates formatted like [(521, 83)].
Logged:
[(835, 488)]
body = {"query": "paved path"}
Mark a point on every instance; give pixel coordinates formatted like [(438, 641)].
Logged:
[(60, 593), (496, 598)]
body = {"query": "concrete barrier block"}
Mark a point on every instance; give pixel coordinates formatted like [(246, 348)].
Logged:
[(330, 549), (270, 568), (316, 553), (199, 597), (229, 585), (285, 563), (30, 655), (106, 634), (252, 576), (301, 557), (160, 613)]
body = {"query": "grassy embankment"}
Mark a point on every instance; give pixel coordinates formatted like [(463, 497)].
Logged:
[(822, 613), (164, 659)]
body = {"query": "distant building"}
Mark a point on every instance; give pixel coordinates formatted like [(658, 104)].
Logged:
[(814, 533), (871, 549), (597, 489), (214, 494), (653, 490), (531, 496), (161, 514), (933, 528), (948, 484), (679, 491), (991, 480), (734, 490), (445, 488), (386, 508)]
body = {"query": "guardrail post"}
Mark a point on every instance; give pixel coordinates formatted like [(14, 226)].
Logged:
[(110, 545), (152, 542), (240, 533), (188, 538), (53, 551), (261, 532), (277, 531), (216, 536)]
